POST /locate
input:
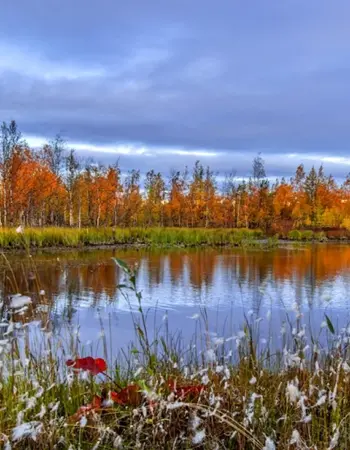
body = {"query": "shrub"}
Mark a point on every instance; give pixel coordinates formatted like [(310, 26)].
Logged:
[(320, 236), (307, 235), (294, 235)]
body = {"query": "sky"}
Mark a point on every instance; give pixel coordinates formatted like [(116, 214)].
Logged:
[(160, 84)]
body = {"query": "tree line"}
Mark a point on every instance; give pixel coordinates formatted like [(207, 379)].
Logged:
[(51, 186)]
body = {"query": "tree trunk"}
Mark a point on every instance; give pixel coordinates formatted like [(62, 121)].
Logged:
[(98, 216), (5, 204), (71, 218), (79, 213)]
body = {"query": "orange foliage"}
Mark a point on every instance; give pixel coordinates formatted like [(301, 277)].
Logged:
[(51, 187)]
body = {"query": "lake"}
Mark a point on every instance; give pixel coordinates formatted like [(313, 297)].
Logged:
[(227, 286)]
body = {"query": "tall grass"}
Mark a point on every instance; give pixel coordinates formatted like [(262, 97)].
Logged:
[(294, 396), (307, 236), (162, 237)]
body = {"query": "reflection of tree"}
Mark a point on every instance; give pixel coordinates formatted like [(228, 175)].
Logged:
[(155, 261), (176, 266), (93, 277), (201, 265)]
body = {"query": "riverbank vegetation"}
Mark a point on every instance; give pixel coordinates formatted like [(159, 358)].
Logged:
[(51, 186), (243, 391), (150, 237), (160, 237)]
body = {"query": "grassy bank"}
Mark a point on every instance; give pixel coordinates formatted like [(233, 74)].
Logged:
[(160, 237), (217, 393), (54, 237), (340, 234), (306, 236)]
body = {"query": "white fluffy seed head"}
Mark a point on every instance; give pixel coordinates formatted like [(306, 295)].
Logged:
[(269, 444), (199, 437), (83, 422), (295, 439), (292, 392)]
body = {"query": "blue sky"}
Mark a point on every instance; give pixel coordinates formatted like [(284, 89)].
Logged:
[(160, 84)]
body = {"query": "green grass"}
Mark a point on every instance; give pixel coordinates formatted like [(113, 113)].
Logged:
[(254, 397), (161, 237), (307, 236)]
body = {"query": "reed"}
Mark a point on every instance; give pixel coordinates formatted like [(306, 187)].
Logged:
[(307, 236), (160, 237)]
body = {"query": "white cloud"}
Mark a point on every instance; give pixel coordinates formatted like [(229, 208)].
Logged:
[(33, 64), (124, 149), (317, 159)]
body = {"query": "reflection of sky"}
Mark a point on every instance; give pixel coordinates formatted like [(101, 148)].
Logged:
[(118, 327), (226, 290), (228, 284)]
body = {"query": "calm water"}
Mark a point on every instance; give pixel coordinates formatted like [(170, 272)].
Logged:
[(81, 288)]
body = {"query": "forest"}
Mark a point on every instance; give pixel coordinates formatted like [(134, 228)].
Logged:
[(52, 186)]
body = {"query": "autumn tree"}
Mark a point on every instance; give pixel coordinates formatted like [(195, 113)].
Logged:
[(155, 198), (230, 201), (132, 199), (258, 169), (177, 198), (72, 168), (114, 194), (53, 187), (10, 139), (54, 154)]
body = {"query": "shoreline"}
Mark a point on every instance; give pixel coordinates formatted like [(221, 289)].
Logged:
[(261, 244), (36, 239)]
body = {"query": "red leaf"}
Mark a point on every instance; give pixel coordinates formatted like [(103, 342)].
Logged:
[(95, 366), (88, 409), (101, 364), (130, 395), (187, 391), (96, 402), (193, 390)]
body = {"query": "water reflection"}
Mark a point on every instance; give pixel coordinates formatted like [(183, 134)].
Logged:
[(178, 278), (81, 287)]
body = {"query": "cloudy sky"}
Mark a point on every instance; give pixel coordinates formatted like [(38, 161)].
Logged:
[(162, 83)]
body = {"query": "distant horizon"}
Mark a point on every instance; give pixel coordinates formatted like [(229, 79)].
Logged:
[(130, 153)]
